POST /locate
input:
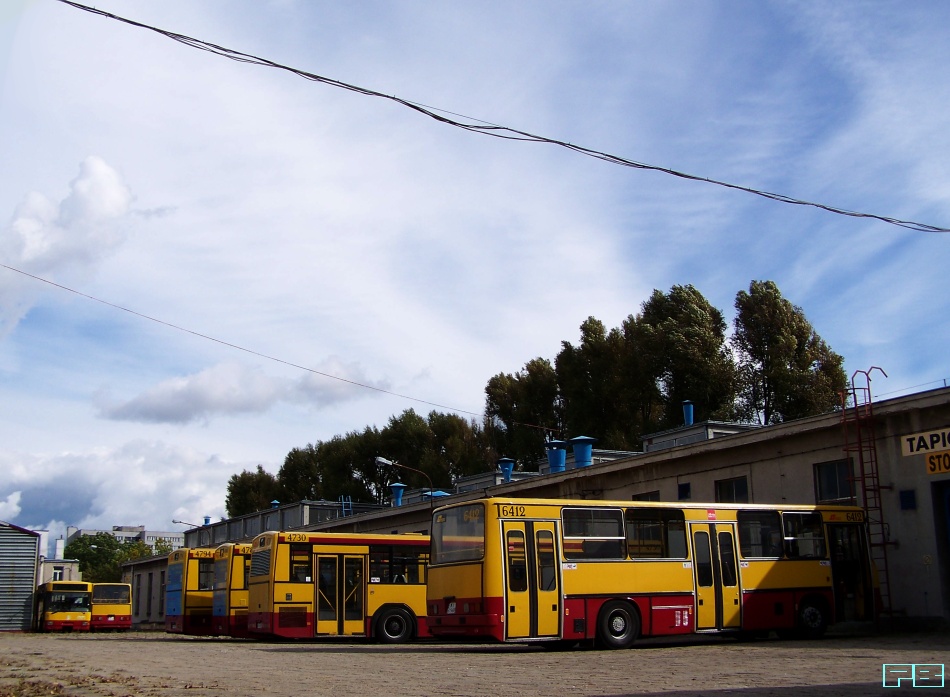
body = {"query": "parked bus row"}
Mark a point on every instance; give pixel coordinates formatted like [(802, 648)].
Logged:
[(301, 585), (76, 606), (557, 572)]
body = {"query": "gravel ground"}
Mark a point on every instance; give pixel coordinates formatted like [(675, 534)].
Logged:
[(159, 665)]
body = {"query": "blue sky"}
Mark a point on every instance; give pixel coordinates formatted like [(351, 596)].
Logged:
[(352, 236)]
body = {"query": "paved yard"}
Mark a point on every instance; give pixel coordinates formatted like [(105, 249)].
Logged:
[(170, 666)]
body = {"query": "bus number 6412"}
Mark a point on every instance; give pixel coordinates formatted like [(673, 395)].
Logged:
[(512, 512)]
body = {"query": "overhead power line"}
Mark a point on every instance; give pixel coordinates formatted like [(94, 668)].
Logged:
[(235, 346), (490, 129)]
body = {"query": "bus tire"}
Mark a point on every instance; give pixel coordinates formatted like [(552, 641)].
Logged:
[(812, 619), (394, 626), (618, 625)]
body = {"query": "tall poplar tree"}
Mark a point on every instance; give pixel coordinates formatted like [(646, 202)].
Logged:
[(786, 370), (682, 341)]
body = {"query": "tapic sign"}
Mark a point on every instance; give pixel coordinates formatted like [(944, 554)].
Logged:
[(923, 443)]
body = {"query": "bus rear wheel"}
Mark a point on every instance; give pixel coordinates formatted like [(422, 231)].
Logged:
[(812, 620), (618, 625), (394, 626)]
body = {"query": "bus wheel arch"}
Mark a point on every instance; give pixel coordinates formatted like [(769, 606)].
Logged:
[(618, 624), (813, 617), (394, 625)]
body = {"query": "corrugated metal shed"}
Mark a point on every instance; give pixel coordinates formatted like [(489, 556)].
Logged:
[(19, 555)]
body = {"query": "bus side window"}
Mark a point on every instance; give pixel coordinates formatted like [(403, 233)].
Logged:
[(804, 536), (300, 563), (703, 559), (517, 562), (592, 533), (760, 534)]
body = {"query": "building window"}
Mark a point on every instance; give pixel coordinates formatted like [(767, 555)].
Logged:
[(908, 500), (735, 490), (161, 594), (57, 573), (834, 482), (683, 492), (647, 496)]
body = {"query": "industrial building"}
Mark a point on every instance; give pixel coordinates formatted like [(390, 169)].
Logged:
[(19, 557), (891, 457)]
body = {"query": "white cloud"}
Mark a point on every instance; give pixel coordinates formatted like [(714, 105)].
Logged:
[(45, 236), (350, 235), (70, 237), (236, 388), (10, 507), (138, 483)]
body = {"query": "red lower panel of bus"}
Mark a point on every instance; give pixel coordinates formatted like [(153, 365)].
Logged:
[(662, 615), (294, 623), (422, 628), (100, 622), (767, 609), (238, 625), (65, 626), (199, 624), (259, 623), (472, 617)]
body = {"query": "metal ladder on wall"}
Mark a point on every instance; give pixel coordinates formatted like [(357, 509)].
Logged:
[(346, 506), (860, 444)]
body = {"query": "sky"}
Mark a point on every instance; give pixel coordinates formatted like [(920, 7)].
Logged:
[(282, 230)]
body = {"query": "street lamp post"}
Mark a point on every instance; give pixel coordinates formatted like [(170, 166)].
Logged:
[(382, 461), (182, 522)]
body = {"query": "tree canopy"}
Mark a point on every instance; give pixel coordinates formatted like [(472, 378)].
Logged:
[(614, 385), (786, 370), (101, 555), (442, 446)]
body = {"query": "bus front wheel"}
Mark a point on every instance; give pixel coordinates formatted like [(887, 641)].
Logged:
[(617, 625), (394, 626)]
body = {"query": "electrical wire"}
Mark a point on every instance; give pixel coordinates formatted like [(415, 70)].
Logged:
[(490, 129), (235, 346), (258, 353)]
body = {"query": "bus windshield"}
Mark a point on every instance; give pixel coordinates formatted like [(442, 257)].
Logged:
[(110, 593), (68, 602), (458, 534)]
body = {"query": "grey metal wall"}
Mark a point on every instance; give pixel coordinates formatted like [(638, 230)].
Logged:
[(19, 555)]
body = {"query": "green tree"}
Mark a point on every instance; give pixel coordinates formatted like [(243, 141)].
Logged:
[(458, 446), (250, 491), (682, 340), (527, 407), (586, 378), (339, 460), (133, 549), (786, 370), (163, 546), (299, 477), (99, 557), (408, 440)]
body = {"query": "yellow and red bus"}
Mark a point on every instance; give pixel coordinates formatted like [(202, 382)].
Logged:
[(188, 588), (609, 572), (232, 562), (309, 584), (111, 606), (63, 606)]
